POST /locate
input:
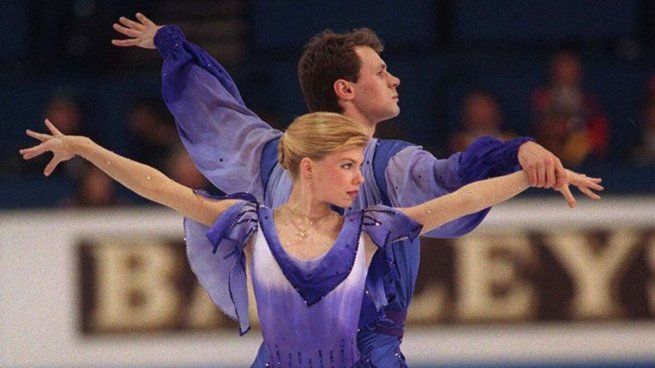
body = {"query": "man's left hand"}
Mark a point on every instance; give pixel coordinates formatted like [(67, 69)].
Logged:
[(544, 169)]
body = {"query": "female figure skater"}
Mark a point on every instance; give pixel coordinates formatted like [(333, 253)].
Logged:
[(308, 264)]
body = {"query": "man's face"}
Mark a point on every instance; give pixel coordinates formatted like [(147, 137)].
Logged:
[(376, 96)]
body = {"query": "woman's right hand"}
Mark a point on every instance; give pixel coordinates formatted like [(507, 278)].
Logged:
[(57, 143)]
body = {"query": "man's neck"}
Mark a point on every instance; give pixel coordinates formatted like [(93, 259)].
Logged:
[(369, 126)]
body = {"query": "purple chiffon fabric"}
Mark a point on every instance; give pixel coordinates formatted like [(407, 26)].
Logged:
[(308, 309), (223, 137), (216, 257)]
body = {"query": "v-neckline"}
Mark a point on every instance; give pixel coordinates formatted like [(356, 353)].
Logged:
[(330, 268), (275, 234)]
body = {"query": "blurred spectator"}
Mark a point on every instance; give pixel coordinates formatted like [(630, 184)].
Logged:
[(93, 188), (65, 113), (644, 152), (568, 120), (481, 116), (181, 168), (152, 132)]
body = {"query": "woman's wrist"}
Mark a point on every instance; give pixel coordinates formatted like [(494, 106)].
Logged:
[(76, 144)]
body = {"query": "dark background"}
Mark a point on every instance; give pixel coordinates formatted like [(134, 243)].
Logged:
[(439, 49)]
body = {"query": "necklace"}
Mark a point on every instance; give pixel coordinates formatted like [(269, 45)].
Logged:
[(302, 231), (302, 243)]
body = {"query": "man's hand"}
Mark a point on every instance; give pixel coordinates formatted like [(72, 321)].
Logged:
[(141, 32), (544, 169)]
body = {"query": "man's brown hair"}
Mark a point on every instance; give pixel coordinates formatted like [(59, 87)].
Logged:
[(330, 56)]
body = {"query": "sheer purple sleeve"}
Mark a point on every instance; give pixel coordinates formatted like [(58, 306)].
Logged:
[(414, 176), (216, 256), (223, 137)]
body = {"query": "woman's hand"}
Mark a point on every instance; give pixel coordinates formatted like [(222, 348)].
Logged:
[(57, 143), (584, 183), (141, 32)]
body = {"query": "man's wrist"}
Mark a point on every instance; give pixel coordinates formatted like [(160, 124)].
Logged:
[(166, 38), (525, 144), (512, 156)]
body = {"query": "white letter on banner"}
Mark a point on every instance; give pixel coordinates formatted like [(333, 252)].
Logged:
[(594, 273), (489, 285), (134, 286)]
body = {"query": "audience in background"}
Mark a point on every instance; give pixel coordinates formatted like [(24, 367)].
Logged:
[(66, 112), (569, 120), (644, 151), (152, 133), (181, 168), (481, 115), (93, 188)]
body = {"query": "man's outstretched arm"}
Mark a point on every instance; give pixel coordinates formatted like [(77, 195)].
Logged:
[(223, 137), (414, 175)]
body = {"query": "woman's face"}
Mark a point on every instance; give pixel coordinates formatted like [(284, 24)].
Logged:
[(337, 177)]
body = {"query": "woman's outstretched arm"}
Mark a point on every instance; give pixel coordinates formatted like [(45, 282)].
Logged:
[(486, 193), (144, 180)]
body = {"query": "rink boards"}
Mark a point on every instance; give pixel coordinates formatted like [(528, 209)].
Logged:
[(536, 285)]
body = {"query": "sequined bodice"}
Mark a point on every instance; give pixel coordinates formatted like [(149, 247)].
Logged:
[(298, 333), (308, 309)]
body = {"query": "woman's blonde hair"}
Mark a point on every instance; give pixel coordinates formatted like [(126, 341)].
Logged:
[(316, 135)]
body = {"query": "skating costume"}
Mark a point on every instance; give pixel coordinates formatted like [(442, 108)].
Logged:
[(308, 309)]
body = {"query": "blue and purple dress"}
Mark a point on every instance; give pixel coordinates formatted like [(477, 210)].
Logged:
[(320, 298), (236, 151)]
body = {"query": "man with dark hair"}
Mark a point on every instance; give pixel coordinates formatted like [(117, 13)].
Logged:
[(343, 73), (318, 67)]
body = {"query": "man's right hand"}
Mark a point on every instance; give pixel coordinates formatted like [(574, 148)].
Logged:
[(141, 32)]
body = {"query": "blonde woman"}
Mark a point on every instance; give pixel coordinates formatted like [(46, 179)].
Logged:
[(308, 263)]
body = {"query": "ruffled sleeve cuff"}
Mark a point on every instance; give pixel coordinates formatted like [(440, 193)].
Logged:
[(216, 256), (167, 38), (508, 156), (385, 225), (488, 157)]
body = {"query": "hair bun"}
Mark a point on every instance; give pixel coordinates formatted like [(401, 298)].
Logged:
[(281, 156)]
